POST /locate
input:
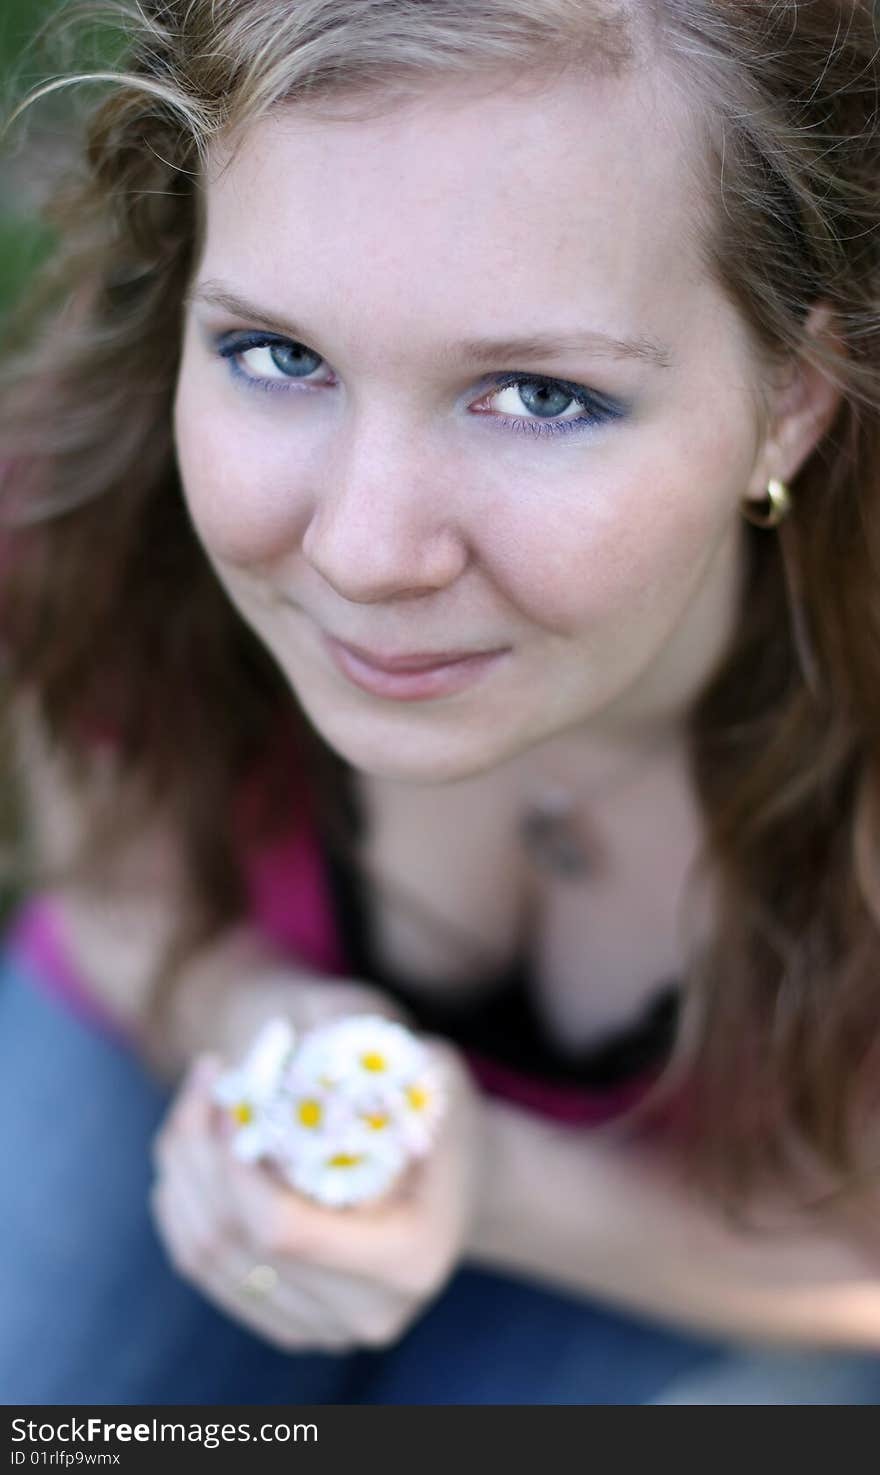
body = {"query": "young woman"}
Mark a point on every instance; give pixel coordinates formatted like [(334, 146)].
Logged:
[(440, 552)]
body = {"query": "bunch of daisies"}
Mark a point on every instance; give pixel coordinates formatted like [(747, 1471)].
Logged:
[(339, 1112)]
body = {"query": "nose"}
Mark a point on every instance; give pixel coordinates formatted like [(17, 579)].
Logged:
[(383, 523)]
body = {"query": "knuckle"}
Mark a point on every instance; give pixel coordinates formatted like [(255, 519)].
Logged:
[(334, 1344), (280, 1337), (383, 1330), (182, 1256), (372, 1337), (204, 1251), (161, 1149), (273, 1234), (294, 1338), (191, 1253), (162, 1208), (184, 1117), (168, 1146), (421, 1278)]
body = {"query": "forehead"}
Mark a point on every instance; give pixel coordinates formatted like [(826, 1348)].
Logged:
[(465, 206)]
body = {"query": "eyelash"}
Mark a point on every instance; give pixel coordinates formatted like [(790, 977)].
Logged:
[(230, 347)]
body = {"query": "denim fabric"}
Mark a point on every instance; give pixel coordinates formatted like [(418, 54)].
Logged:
[(91, 1312)]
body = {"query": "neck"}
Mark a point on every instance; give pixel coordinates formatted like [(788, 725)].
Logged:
[(589, 763)]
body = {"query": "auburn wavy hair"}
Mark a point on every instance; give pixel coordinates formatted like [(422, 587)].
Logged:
[(113, 620)]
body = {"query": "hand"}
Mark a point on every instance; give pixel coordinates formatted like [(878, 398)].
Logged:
[(237, 981), (305, 999), (348, 1278)]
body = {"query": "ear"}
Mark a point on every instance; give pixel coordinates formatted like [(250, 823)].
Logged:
[(802, 408)]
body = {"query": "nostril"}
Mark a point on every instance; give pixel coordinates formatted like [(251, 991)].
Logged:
[(366, 563)]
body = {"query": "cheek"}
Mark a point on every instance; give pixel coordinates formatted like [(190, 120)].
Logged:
[(629, 539), (241, 499)]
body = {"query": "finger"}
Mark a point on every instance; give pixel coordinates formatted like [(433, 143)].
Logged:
[(192, 1110), (209, 1230), (366, 1307), (188, 1221), (214, 1246), (235, 1198), (216, 1257), (193, 1106), (183, 1232), (286, 1316), (299, 1294), (386, 1240), (178, 1228), (198, 1162), (368, 1240), (407, 1238), (296, 1279), (427, 1199), (320, 1307)]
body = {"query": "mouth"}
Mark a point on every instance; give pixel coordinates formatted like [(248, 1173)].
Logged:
[(414, 676), (411, 660)]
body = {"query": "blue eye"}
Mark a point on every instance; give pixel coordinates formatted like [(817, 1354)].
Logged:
[(549, 397), (277, 363), (274, 361)]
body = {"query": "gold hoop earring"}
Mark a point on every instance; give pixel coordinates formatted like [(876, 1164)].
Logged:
[(780, 506)]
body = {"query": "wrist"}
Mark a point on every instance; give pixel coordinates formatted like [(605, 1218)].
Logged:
[(307, 998), (235, 983), (497, 1182)]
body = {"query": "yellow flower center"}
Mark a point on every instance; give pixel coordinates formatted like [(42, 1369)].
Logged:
[(243, 1112), (310, 1113), (372, 1060), (345, 1160), (417, 1097), (376, 1119)]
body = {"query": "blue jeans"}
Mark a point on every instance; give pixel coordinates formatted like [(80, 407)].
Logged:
[(91, 1312)]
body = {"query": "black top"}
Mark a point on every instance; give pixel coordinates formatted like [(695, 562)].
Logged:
[(503, 1024)]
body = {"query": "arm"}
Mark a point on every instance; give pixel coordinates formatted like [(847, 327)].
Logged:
[(113, 936), (615, 1221), (236, 983)]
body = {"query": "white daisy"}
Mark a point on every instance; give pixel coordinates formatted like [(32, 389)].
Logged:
[(341, 1115), (361, 1050), (303, 1108), (348, 1170), (376, 1111), (420, 1106), (391, 1078), (408, 1109), (247, 1092)]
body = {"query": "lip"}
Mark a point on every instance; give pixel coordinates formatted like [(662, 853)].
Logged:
[(414, 677), (423, 660)]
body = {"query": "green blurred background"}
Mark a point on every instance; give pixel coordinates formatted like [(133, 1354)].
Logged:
[(34, 153), (22, 239), (25, 159)]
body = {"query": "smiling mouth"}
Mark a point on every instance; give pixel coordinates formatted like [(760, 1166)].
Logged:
[(411, 661), (411, 683)]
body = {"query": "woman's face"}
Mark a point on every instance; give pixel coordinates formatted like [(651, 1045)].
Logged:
[(353, 467)]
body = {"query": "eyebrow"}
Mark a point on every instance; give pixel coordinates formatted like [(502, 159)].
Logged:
[(479, 351)]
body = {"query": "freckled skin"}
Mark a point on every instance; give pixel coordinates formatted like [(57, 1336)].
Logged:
[(393, 515)]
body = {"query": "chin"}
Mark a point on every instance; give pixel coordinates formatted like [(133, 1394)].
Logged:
[(402, 752)]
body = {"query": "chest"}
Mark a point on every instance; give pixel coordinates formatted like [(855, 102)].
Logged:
[(454, 899)]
